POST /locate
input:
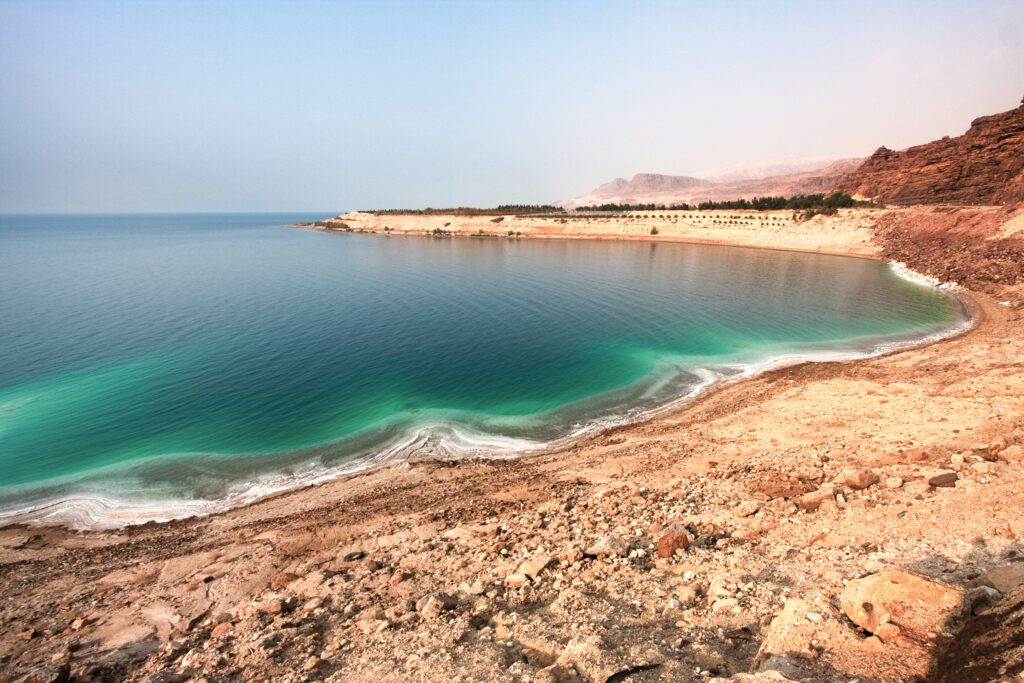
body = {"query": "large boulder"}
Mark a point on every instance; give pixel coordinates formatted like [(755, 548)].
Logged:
[(899, 605)]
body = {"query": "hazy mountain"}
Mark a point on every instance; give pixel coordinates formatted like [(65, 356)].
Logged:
[(669, 189)]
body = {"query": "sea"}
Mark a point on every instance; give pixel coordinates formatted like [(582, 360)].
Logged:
[(161, 366)]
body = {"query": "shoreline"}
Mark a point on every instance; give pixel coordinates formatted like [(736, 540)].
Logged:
[(466, 227), (116, 514), (775, 496)]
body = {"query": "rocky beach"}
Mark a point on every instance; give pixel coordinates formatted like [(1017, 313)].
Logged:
[(502, 342)]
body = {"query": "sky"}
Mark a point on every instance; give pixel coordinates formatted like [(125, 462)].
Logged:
[(330, 106)]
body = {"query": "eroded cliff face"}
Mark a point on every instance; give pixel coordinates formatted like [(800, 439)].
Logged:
[(985, 165)]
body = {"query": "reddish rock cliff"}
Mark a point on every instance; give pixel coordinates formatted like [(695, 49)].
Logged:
[(985, 165)]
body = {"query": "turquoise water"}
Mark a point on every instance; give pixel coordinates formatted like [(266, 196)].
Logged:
[(161, 364)]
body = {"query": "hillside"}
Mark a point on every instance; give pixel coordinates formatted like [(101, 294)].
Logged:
[(985, 165)]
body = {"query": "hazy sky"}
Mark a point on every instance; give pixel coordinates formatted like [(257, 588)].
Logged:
[(219, 106)]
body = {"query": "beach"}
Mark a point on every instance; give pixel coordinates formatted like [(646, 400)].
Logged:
[(772, 495)]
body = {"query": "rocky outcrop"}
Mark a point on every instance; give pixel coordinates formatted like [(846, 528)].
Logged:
[(985, 165)]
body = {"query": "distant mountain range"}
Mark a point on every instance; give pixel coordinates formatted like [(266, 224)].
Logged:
[(985, 165), (742, 182)]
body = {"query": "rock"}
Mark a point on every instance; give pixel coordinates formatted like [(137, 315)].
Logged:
[(857, 478), (943, 479), (354, 556), (759, 677), (430, 607), (748, 508), (398, 577), (790, 633), (281, 580), (554, 673), (516, 580), (533, 567), (982, 166), (1004, 578), (28, 634), (268, 606), (997, 445), (725, 605), (675, 538), (810, 502), (988, 647), (921, 608), (373, 613), (873, 644), (56, 673), (1012, 454), (609, 546), (893, 482), (721, 586), (688, 594), (809, 473), (914, 455), (222, 629)]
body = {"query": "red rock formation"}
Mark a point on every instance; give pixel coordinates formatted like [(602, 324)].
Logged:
[(985, 165)]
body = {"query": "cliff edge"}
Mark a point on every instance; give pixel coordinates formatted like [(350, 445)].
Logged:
[(984, 166)]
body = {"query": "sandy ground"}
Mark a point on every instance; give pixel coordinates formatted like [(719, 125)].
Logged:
[(848, 233), (722, 538)]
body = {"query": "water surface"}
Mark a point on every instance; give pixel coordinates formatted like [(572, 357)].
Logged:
[(160, 364)]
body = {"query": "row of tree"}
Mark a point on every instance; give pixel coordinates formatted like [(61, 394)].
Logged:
[(503, 209), (799, 202)]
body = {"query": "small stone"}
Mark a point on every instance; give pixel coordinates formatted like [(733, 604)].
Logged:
[(1003, 578), (944, 479), (281, 580), (748, 508), (810, 502), (857, 478), (354, 556), (221, 630), (269, 606), (374, 613), (516, 580), (430, 607), (688, 594), (873, 644), (398, 577), (893, 482), (914, 455), (609, 546), (1012, 454), (533, 567), (675, 538), (724, 604), (888, 632)]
